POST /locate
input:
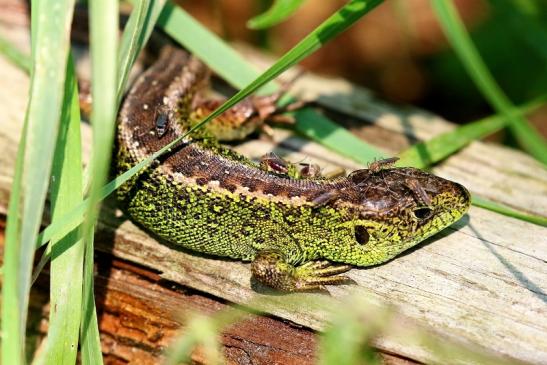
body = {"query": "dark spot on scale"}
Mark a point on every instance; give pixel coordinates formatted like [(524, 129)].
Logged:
[(294, 193), (201, 181), (361, 235), (230, 187), (249, 183), (271, 190)]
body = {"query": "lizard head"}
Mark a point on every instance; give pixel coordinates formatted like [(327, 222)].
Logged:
[(396, 208)]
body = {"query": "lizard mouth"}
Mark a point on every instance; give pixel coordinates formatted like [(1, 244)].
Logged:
[(458, 204)]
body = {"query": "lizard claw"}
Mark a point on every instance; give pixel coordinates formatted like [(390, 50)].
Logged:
[(311, 265), (319, 283), (316, 274)]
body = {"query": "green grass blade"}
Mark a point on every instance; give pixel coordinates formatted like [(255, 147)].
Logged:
[(218, 55), (67, 256), (237, 71), (508, 211), (74, 218), (277, 13), (13, 54), (354, 323), (341, 343), (9, 324), (67, 222), (425, 154), (44, 109), (13, 353), (202, 331), (104, 78), (90, 341), (131, 42), (346, 343), (135, 35), (320, 128), (454, 29)]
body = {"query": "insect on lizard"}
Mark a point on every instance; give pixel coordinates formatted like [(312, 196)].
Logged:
[(299, 230)]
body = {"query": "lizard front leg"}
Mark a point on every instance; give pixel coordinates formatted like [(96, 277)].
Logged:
[(272, 269)]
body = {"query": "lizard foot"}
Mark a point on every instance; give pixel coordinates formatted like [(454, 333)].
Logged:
[(270, 268)]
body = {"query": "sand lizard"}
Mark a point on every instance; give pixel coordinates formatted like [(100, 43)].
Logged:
[(301, 231)]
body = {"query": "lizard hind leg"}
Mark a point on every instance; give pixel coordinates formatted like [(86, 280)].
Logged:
[(271, 268), (249, 115)]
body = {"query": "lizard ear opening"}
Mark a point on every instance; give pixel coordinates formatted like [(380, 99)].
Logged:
[(361, 235), (422, 213)]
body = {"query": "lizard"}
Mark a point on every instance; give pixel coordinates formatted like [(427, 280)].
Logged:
[(301, 231)]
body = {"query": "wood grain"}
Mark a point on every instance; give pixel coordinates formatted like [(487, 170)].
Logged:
[(482, 282)]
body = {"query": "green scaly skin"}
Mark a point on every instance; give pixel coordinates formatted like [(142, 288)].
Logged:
[(299, 232)]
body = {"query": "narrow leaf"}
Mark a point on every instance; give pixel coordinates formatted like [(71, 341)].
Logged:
[(105, 84), (135, 35), (277, 13), (13, 54), (67, 256), (51, 46), (316, 126), (508, 211), (90, 341), (425, 154), (11, 330), (104, 47)]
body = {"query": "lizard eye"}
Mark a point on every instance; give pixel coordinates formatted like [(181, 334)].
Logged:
[(361, 235), (422, 213)]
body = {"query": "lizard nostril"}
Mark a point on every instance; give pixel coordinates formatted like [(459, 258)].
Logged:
[(361, 235)]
